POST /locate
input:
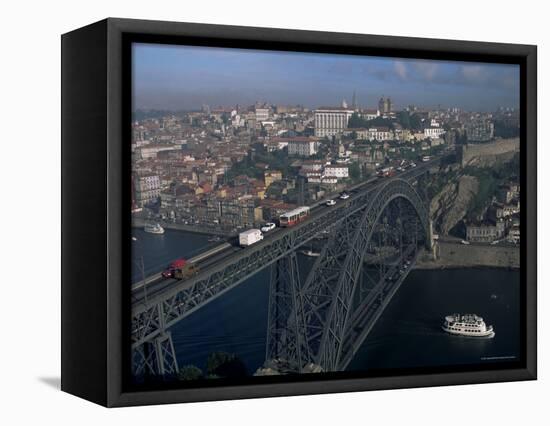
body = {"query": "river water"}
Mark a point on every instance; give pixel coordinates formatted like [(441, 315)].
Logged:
[(407, 335)]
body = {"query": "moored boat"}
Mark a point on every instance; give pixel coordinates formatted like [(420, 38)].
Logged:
[(153, 228), (310, 253)]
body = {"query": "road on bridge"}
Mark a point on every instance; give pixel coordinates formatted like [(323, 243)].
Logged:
[(156, 285)]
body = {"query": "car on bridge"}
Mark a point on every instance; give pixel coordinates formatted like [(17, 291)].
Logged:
[(268, 227), (344, 196), (330, 203)]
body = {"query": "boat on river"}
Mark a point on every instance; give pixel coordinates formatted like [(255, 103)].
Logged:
[(469, 325), (153, 228)]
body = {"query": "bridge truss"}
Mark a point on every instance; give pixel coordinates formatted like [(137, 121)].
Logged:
[(323, 321)]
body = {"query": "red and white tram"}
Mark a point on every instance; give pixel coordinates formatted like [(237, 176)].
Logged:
[(294, 216)]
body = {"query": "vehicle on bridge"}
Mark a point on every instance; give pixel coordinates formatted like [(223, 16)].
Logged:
[(268, 227), (386, 172), (344, 196), (294, 216), (331, 203), (169, 271), (249, 237), (186, 271)]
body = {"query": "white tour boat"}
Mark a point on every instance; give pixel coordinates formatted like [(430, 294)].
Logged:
[(469, 325), (153, 228)]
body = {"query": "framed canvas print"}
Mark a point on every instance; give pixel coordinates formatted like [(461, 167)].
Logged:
[(253, 212)]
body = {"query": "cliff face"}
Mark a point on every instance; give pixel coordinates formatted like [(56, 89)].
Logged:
[(450, 205)]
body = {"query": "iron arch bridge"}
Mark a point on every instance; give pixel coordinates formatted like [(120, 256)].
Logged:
[(318, 322), (323, 322)]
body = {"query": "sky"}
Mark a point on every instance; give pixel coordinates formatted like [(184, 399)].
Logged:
[(174, 77)]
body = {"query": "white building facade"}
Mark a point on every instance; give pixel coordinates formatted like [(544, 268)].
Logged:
[(380, 134), (302, 147), (147, 188), (331, 121), (262, 114), (433, 132), (336, 171)]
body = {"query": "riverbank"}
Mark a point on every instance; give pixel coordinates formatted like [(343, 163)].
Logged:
[(450, 255), (196, 229)]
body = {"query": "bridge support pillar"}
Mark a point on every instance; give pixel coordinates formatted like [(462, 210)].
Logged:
[(284, 344), (156, 358)]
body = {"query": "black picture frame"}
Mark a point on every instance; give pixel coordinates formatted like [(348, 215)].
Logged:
[(95, 165)]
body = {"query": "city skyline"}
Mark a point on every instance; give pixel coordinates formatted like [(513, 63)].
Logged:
[(173, 77)]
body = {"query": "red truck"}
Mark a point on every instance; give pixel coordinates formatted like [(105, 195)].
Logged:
[(176, 264)]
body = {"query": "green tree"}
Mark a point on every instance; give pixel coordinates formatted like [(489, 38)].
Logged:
[(415, 122), (190, 372), (355, 121), (380, 122), (354, 171), (404, 119)]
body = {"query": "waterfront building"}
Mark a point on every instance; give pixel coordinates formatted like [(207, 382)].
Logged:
[(330, 121), (514, 234), (485, 232), (147, 188), (240, 212)]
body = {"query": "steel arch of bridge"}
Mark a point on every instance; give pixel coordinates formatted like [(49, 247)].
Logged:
[(320, 313)]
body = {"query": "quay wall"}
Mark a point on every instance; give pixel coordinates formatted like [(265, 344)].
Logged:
[(457, 255), (139, 223)]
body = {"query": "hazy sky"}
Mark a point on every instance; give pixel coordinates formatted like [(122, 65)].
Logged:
[(186, 77)]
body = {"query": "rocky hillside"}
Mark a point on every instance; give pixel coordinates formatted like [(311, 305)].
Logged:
[(450, 205)]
